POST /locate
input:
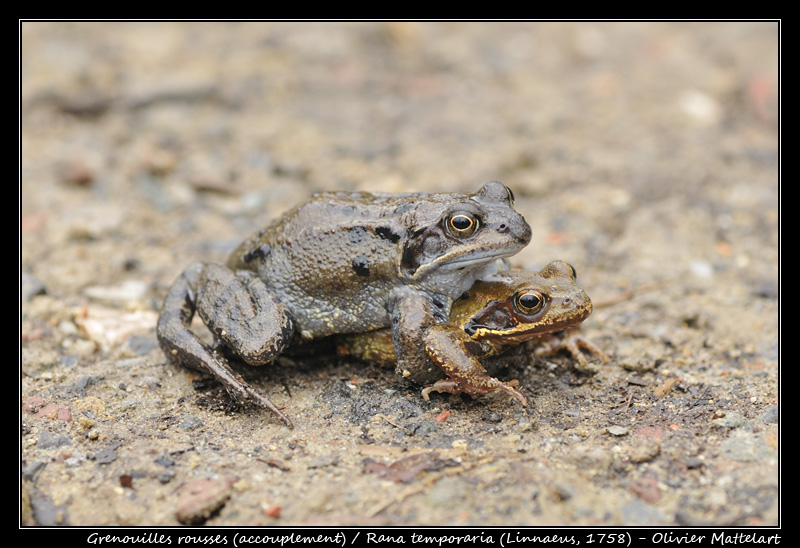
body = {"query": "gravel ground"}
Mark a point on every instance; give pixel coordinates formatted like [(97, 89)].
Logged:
[(645, 154)]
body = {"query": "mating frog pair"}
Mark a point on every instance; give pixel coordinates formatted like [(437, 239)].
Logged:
[(348, 263)]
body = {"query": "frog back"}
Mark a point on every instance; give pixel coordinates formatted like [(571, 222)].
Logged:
[(333, 260)]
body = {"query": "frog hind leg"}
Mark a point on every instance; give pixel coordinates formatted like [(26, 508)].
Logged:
[(448, 347), (241, 311), (192, 292)]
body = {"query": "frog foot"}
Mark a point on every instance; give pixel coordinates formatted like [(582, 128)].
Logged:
[(239, 389), (198, 289), (451, 349), (574, 343), (198, 356), (486, 385), (236, 386)]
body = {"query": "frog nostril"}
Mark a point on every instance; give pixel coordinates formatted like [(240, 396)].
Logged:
[(502, 228)]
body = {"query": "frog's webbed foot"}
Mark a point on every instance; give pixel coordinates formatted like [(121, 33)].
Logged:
[(449, 348), (574, 343), (182, 346)]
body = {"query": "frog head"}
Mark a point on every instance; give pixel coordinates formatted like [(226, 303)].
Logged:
[(514, 306), (453, 232)]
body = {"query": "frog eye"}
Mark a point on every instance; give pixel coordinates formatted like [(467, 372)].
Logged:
[(528, 301), (462, 224)]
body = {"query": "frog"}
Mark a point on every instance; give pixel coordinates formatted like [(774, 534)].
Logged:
[(342, 262), (499, 312)]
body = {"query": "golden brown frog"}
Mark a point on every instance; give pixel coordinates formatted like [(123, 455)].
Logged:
[(495, 314), (343, 262)]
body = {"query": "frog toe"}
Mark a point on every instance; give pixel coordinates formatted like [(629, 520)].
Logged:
[(575, 344), (248, 393), (487, 385), (442, 386), (510, 388)]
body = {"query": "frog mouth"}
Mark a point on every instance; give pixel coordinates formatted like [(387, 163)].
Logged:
[(520, 333), (471, 261), (458, 263)]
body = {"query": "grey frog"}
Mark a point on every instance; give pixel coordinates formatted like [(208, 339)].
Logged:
[(343, 262)]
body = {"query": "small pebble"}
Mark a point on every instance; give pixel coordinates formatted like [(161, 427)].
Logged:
[(273, 511), (644, 449), (141, 345), (746, 447), (617, 430), (729, 420), (592, 460), (106, 455), (75, 172), (49, 440), (771, 415), (199, 499), (701, 269), (30, 286), (563, 492), (322, 461), (129, 290), (700, 106), (646, 489)]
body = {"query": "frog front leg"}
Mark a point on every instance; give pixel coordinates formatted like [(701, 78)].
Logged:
[(412, 313), (426, 347), (457, 355), (238, 308)]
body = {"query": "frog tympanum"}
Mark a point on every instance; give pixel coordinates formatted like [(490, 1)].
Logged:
[(495, 314), (343, 262)]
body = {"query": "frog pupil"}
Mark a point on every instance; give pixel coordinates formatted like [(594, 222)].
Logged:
[(462, 222), (529, 302)]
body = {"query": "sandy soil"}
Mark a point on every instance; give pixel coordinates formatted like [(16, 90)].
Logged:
[(644, 154)]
